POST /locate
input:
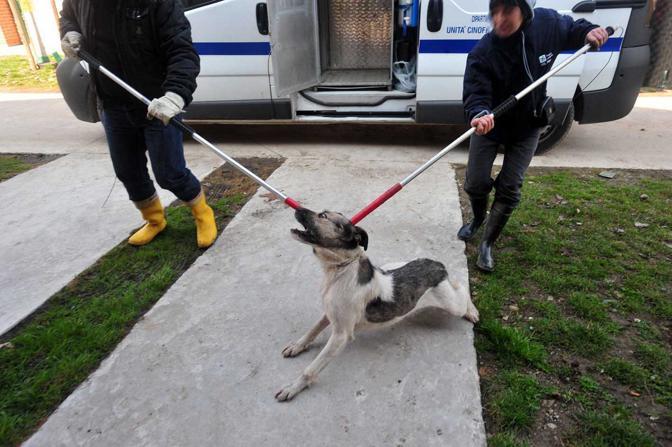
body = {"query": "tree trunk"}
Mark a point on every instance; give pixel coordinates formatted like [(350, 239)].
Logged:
[(23, 32)]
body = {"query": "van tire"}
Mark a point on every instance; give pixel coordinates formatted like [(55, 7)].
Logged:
[(554, 134)]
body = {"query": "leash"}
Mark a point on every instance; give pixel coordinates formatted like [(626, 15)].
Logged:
[(93, 62), (501, 109)]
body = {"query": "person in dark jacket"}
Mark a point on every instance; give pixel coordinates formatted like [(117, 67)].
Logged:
[(148, 44), (521, 47)]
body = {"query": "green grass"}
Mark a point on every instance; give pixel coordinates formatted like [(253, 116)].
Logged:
[(613, 429), (579, 303), (11, 166), (17, 75), (517, 401), (505, 440), (78, 327)]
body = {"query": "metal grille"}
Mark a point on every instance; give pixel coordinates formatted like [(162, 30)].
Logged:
[(360, 34)]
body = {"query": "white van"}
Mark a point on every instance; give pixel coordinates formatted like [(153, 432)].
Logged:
[(341, 60)]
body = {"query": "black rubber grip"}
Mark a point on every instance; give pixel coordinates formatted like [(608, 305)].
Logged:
[(505, 106), (92, 61), (610, 30), (183, 127)]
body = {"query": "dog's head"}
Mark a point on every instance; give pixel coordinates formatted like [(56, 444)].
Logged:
[(329, 230)]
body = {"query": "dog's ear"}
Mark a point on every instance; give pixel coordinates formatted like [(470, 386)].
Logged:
[(361, 237)]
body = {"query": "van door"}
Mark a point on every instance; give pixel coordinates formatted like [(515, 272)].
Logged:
[(295, 44), (600, 66), (448, 31), (231, 37)]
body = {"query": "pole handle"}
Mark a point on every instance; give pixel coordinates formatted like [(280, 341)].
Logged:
[(504, 107), (183, 127), (89, 59)]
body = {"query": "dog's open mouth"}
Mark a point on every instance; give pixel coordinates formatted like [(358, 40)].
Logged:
[(297, 232), (302, 235)]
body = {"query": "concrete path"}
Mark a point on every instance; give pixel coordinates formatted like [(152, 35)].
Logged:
[(202, 366)]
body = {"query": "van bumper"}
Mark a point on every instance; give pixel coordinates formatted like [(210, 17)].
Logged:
[(617, 100)]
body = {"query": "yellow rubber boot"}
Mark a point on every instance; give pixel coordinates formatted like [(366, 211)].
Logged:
[(152, 212), (206, 228)]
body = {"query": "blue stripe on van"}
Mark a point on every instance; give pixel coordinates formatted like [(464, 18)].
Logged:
[(433, 46), (232, 48), (463, 46)]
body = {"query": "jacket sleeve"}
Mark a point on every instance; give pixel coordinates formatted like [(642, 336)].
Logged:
[(574, 32), (68, 21), (477, 91), (182, 61)]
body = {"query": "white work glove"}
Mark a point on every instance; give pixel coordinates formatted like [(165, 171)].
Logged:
[(165, 107), (71, 43)]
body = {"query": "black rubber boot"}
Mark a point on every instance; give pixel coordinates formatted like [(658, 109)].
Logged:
[(478, 207), (499, 216)]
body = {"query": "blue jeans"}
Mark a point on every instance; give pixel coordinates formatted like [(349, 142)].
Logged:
[(129, 135), (517, 158)]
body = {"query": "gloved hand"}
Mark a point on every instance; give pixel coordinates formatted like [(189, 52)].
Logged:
[(165, 107), (71, 43)]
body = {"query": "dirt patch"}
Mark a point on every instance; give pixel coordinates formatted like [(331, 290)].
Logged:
[(228, 181)]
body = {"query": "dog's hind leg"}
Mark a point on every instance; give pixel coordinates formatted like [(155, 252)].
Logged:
[(455, 299), (334, 346), (301, 345)]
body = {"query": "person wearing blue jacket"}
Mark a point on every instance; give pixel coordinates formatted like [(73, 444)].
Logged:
[(521, 47)]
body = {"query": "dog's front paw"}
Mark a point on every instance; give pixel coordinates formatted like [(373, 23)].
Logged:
[(294, 349), (472, 314), (288, 392)]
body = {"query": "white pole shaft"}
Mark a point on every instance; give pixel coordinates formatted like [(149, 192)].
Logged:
[(240, 167), (438, 156)]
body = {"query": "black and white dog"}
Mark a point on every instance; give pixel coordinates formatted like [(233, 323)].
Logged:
[(357, 295)]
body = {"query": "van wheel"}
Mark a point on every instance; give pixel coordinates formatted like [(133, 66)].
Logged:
[(555, 133)]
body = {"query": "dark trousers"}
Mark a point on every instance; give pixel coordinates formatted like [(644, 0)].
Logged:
[(517, 158), (129, 136)]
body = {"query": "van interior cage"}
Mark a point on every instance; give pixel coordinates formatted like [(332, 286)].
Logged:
[(359, 41)]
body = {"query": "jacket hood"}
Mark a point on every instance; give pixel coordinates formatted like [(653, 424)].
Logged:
[(527, 7)]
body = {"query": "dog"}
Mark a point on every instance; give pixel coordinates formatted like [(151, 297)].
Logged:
[(357, 295)]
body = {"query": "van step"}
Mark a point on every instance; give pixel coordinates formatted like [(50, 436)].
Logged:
[(364, 119), (345, 98)]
